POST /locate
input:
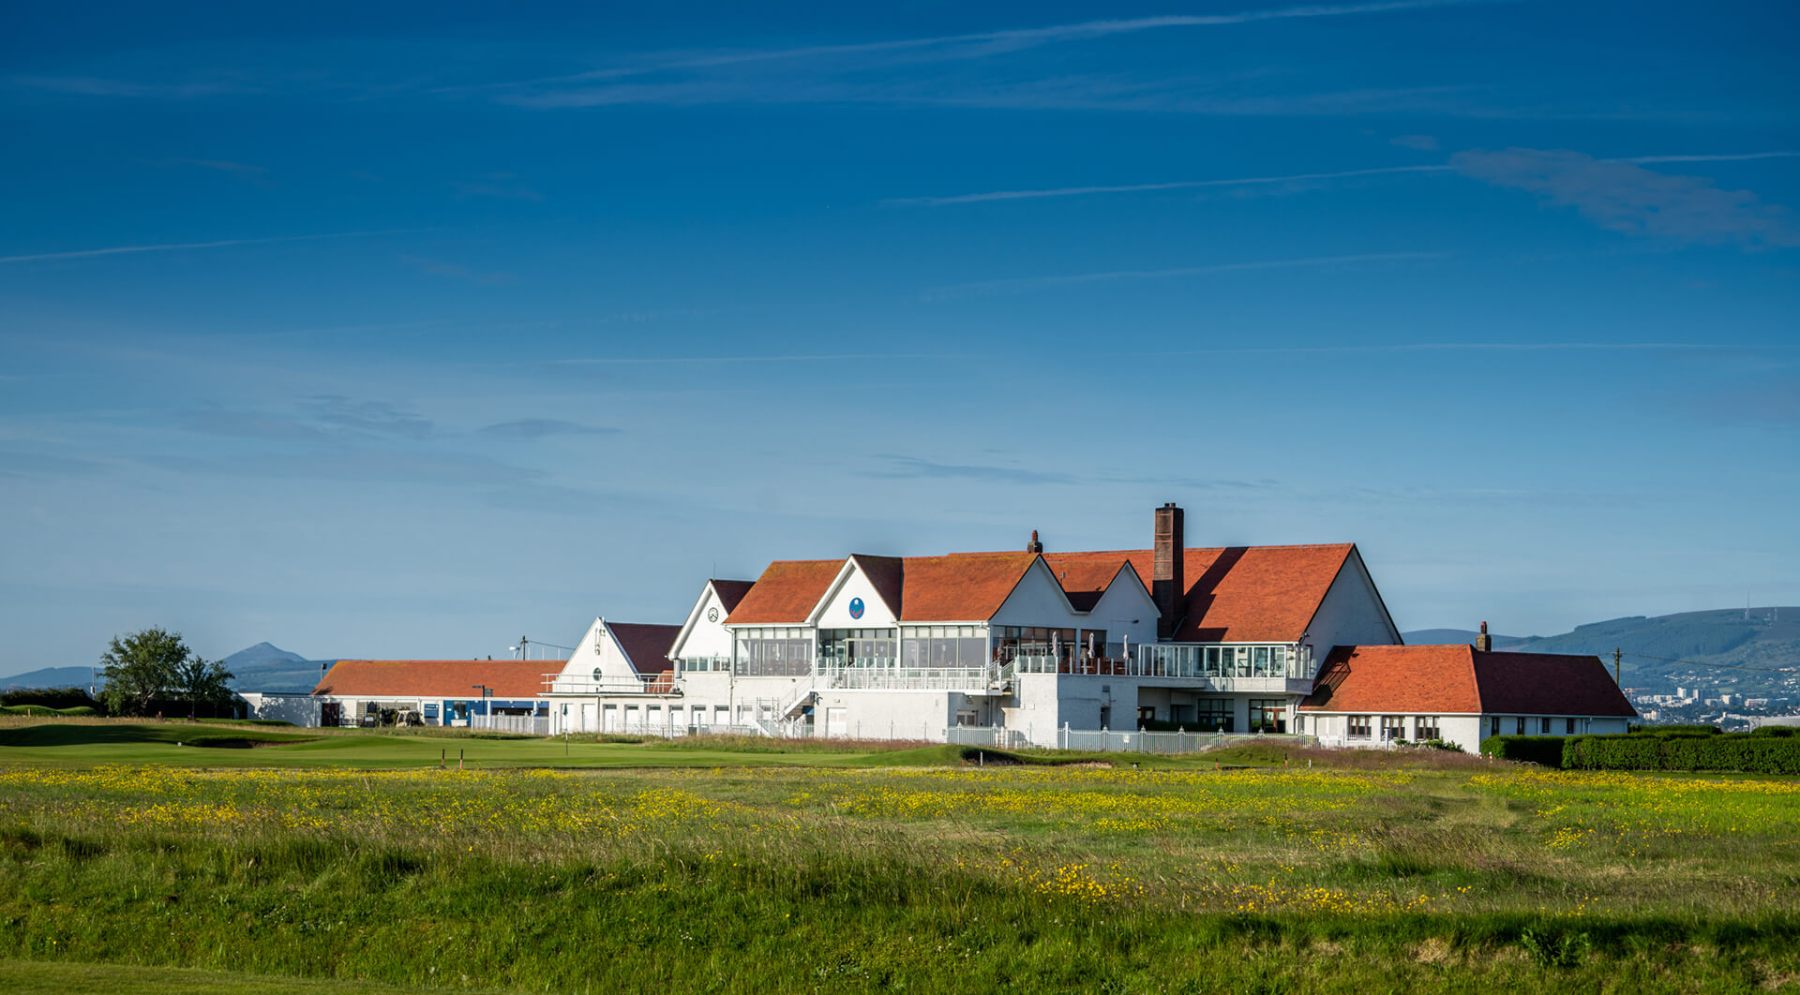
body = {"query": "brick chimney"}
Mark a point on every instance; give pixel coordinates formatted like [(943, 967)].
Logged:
[(1484, 642), (1168, 571), (1034, 546)]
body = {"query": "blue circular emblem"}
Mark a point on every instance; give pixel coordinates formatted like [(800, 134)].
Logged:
[(856, 608)]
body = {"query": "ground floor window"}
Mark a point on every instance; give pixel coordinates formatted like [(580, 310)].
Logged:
[(1427, 726), (1494, 726), (1569, 727), (1214, 714), (1268, 715), (1393, 727), (1544, 726), (1146, 713), (1519, 725), (1356, 727)]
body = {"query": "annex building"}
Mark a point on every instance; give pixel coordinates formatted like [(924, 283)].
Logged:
[(1248, 639)]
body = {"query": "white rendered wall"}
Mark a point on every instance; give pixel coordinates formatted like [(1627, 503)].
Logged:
[(852, 584), (1126, 609), (1350, 614), (889, 714), (1038, 600), (705, 636), (297, 709), (597, 649)]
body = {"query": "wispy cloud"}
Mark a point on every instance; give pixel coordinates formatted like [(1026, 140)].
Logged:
[(1623, 196), (1047, 193), (910, 466), (224, 243), (498, 186), (222, 166), (983, 43), (458, 271), (1089, 191), (96, 86), (540, 428), (1021, 284)]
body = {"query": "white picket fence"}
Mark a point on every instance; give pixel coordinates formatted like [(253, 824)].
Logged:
[(525, 725)]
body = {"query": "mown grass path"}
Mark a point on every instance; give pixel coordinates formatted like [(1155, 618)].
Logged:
[(703, 869)]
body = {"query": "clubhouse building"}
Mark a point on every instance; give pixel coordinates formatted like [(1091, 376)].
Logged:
[(1037, 644)]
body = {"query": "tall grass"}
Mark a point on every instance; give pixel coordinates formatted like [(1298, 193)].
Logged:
[(932, 879)]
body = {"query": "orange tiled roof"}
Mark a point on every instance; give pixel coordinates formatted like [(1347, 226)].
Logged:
[(961, 587), (785, 593), (436, 678), (1236, 594), (1457, 679), (1086, 576)]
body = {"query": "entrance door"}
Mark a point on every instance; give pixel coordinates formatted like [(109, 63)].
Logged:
[(590, 721), (837, 723)]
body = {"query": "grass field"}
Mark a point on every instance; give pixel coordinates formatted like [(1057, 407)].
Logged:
[(352, 861)]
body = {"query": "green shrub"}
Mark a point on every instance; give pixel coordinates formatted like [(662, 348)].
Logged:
[(1676, 730), (1545, 750), (1731, 752)]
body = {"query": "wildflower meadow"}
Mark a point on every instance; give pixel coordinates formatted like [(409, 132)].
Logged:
[(939, 876)]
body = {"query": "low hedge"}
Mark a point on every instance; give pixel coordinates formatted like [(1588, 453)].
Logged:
[(1752, 754), (1545, 750)]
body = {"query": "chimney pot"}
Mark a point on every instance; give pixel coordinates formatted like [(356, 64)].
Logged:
[(1034, 546), (1483, 641)]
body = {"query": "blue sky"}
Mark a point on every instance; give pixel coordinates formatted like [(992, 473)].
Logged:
[(400, 330)]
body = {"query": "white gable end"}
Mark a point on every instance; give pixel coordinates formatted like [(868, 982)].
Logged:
[(852, 603)]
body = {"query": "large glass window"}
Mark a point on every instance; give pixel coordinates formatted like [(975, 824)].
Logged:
[(1214, 714), (1043, 648), (944, 647), (1427, 726), (1268, 715), (775, 651), (1393, 727), (856, 647), (1356, 727)]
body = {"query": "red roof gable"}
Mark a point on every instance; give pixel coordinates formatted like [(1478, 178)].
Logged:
[(1086, 576), (1236, 594), (436, 678), (785, 593), (1459, 679), (961, 587), (646, 646)]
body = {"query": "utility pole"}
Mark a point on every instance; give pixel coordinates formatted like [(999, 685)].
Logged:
[(1617, 654)]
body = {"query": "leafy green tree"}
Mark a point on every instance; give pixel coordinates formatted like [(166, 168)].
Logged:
[(202, 682), (152, 665)]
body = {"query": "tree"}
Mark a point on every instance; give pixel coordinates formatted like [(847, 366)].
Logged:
[(202, 682), (152, 665)]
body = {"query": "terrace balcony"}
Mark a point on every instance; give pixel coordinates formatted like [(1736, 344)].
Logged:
[(657, 684)]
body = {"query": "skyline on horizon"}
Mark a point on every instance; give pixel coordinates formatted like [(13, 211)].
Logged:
[(398, 332)]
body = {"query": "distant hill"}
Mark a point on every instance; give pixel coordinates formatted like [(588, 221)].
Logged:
[(1721, 648), (266, 667), (1429, 637), (50, 677), (263, 667)]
